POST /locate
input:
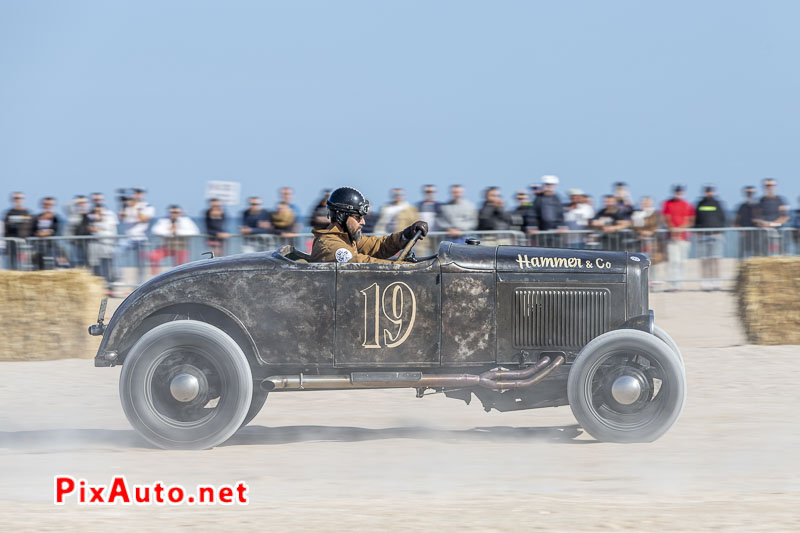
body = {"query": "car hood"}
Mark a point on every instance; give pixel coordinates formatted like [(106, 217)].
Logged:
[(532, 259)]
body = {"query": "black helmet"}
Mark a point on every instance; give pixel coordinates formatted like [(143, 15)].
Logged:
[(346, 201)]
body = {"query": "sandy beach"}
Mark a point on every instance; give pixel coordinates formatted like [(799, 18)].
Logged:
[(384, 460)]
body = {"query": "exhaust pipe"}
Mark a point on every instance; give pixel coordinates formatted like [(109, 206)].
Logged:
[(519, 379), (491, 379)]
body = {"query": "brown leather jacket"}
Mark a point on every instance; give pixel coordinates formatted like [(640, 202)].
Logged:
[(334, 244)]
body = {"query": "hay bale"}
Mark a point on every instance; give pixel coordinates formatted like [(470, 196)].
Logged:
[(44, 315), (769, 289)]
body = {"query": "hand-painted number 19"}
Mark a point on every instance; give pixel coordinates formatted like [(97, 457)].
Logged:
[(392, 303)]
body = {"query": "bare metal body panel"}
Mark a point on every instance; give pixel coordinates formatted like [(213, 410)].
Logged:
[(470, 308)]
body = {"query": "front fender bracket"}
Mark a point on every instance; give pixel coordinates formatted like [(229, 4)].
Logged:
[(644, 323)]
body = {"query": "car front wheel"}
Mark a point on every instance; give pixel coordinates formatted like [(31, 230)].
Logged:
[(665, 337), (626, 386), (186, 385)]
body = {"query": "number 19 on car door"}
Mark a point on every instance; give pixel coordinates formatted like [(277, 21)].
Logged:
[(390, 317)]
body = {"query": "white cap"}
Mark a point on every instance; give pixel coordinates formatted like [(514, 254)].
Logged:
[(550, 180)]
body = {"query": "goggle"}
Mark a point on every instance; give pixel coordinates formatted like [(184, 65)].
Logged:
[(361, 209)]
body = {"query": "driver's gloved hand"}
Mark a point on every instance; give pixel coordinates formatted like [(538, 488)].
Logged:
[(419, 225)]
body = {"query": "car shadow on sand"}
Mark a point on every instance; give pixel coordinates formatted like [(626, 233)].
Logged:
[(261, 435), (57, 440), (50, 440)]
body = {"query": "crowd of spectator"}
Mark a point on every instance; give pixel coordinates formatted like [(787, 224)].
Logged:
[(100, 236), (617, 223)]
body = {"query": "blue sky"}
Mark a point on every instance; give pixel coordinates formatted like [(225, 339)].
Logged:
[(168, 95)]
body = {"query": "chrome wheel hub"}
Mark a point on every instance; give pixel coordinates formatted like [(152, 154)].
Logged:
[(184, 387), (626, 390)]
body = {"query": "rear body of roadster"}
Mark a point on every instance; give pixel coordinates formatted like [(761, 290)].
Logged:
[(516, 327)]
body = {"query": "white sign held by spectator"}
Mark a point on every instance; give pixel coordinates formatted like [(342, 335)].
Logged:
[(228, 192)]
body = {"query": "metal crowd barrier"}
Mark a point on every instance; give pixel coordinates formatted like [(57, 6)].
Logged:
[(127, 262), (15, 254), (737, 242), (304, 241), (703, 257)]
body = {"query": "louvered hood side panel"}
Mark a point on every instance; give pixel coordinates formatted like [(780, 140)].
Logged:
[(559, 318)]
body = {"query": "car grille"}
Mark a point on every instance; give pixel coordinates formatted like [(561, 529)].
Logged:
[(559, 317)]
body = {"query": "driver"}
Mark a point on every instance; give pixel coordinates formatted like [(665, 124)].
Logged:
[(342, 241)]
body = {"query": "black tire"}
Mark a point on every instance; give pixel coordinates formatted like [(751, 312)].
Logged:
[(216, 367), (633, 357), (257, 402)]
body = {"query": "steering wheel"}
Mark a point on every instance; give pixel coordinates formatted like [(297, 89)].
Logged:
[(409, 246)]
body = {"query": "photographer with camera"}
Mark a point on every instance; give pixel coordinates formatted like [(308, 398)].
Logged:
[(215, 227), (100, 221), (135, 214)]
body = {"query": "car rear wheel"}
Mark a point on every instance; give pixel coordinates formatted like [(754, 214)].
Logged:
[(626, 386), (186, 385)]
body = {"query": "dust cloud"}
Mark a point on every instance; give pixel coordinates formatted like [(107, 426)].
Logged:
[(384, 460)]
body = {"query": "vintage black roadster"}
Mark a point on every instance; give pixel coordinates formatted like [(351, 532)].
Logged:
[(203, 344)]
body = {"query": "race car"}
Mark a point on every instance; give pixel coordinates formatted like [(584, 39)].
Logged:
[(204, 344)]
